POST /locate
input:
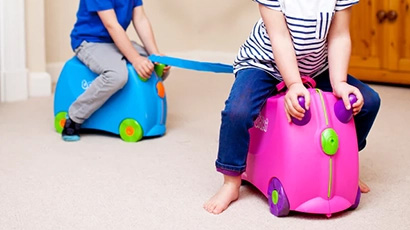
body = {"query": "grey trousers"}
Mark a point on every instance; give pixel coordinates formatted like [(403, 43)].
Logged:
[(107, 61)]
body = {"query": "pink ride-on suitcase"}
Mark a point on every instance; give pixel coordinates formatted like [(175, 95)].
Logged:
[(309, 166)]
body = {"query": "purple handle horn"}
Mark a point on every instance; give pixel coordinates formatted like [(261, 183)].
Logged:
[(341, 112), (307, 116)]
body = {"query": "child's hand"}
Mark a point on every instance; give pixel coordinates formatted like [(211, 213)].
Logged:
[(292, 106), (167, 67), (143, 66), (343, 90)]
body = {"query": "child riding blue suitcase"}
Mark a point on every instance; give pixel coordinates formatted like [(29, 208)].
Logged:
[(138, 110)]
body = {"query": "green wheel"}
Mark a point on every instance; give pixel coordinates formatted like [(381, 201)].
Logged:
[(130, 130), (59, 121)]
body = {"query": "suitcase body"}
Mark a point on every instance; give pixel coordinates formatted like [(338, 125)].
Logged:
[(137, 110), (311, 168)]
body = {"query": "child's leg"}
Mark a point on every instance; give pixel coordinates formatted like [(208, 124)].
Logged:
[(248, 94), (106, 60), (365, 118), (228, 193)]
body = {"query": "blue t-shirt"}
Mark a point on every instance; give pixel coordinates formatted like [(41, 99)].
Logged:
[(89, 26)]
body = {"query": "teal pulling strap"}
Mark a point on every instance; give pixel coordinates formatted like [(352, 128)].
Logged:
[(192, 65)]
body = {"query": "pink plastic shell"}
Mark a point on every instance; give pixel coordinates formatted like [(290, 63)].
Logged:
[(313, 181)]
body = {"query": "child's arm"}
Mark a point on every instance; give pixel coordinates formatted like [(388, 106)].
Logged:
[(285, 58), (144, 30), (339, 47), (142, 65)]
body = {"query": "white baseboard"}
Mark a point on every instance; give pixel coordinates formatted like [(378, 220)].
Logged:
[(39, 84), (15, 85)]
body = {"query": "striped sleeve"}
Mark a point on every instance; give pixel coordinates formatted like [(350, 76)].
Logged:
[(271, 4), (343, 4)]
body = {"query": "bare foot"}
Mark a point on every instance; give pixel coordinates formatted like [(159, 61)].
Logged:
[(363, 187), (228, 193)]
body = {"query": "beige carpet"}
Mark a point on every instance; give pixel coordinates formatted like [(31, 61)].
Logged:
[(102, 182)]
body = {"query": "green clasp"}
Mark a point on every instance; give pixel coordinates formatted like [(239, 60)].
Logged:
[(330, 141), (159, 69)]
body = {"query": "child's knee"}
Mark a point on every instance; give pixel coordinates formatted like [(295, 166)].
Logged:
[(237, 114), (372, 101), (116, 78), (122, 79)]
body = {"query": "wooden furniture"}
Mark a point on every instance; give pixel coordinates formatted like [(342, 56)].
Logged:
[(380, 32)]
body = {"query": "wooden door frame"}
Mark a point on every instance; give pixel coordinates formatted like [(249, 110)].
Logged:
[(395, 62)]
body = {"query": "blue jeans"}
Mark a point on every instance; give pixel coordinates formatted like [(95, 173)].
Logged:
[(251, 89)]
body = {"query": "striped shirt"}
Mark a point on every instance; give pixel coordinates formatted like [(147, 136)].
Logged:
[(308, 23)]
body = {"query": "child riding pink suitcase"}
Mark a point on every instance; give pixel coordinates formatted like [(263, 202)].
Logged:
[(308, 166)]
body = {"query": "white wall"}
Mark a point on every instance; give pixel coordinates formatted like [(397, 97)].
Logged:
[(1, 52), (60, 16), (39, 81)]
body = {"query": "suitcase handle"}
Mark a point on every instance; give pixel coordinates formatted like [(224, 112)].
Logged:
[(307, 116), (341, 112), (307, 81), (344, 115)]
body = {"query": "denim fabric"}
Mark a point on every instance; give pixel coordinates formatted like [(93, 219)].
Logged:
[(251, 89)]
